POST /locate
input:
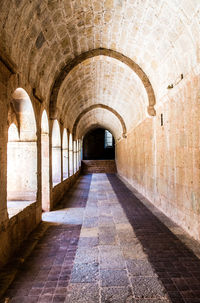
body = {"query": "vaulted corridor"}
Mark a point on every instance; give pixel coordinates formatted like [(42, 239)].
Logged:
[(102, 244), (90, 87)]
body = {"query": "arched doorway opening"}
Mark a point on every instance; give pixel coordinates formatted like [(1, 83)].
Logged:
[(71, 168), (99, 144), (21, 155), (56, 153), (65, 154), (75, 154), (45, 162)]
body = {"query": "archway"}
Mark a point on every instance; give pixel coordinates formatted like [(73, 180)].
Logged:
[(65, 155), (21, 155), (56, 154), (75, 155), (71, 169), (45, 162), (98, 144), (109, 53), (97, 106)]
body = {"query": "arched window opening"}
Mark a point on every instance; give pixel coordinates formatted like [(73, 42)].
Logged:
[(45, 163), (108, 139), (56, 153), (75, 153), (71, 168), (65, 155), (21, 156)]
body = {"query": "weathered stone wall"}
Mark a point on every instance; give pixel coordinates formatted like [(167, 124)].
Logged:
[(98, 166), (14, 231), (59, 190), (4, 76), (163, 162)]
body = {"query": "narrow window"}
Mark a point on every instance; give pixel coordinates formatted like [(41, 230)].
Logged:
[(108, 139), (161, 119)]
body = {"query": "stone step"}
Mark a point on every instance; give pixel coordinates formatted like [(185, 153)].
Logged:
[(98, 166)]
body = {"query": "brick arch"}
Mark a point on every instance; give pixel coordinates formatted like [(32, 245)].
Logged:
[(105, 52), (94, 106)]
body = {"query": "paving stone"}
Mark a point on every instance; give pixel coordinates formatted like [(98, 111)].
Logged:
[(114, 277), (84, 273), (120, 241), (90, 222), (85, 255), (88, 242), (152, 301), (111, 257), (106, 221), (89, 232), (82, 293), (133, 251), (116, 295), (150, 287), (140, 268), (107, 235)]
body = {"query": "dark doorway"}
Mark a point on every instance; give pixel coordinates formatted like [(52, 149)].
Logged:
[(98, 144)]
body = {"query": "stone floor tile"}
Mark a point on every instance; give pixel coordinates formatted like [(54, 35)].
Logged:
[(59, 299), (111, 257), (89, 232), (88, 242), (148, 287), (101, 238), (87, 255), (140, 268), (116, 295), (114, 278), (45, 299), (133, 251), (90, 222), (82, 293), (25, 299), (152, 301), (84, 273)]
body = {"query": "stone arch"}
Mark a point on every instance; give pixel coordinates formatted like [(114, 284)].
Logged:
[(22, 151), (65, 154), (105, 52), (56, 153), (45, 162), (94, 106), (71, 170), (94, 126)]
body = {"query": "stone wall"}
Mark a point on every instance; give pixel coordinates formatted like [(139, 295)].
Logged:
[(14, 231), (98, 166), (59, 190), (163, 162)]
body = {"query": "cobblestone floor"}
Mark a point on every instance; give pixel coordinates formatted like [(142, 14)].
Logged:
[(104, 246)]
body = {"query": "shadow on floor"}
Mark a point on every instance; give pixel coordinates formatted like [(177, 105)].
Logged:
[(175, 264), (44, 275)]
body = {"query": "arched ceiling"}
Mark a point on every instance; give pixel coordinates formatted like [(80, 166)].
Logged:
[(103, 118), (102, 80), (91, 108), (41, 38), (105, 54)]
